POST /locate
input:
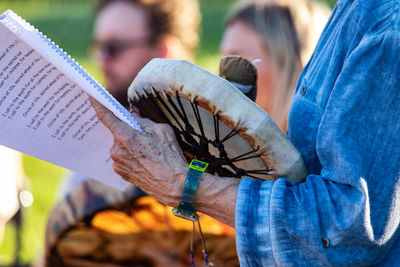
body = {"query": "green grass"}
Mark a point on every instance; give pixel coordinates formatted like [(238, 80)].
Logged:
[(69, 24), (213, 14)]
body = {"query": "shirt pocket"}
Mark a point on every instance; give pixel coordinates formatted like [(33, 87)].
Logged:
[(304, 118)]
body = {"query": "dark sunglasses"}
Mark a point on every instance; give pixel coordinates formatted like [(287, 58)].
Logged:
[(112, 49)]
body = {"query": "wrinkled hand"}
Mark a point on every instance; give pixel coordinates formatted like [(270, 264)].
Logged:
[(150, 159)]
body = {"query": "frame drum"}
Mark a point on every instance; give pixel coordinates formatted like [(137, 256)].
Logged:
[(214, 122)]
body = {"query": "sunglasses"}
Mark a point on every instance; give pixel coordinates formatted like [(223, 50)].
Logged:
[(114, 48)]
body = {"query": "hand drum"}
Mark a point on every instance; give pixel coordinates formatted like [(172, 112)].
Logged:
[(214, 121)]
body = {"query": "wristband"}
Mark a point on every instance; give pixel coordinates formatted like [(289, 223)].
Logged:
[(185, 207)]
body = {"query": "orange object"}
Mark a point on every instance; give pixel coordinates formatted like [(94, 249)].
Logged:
[(150, 215), (116, 222)]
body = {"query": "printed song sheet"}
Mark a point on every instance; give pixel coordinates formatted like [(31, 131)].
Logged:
[(45, 114)]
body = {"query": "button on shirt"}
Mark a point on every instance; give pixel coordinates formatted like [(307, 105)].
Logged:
[(346, 126)]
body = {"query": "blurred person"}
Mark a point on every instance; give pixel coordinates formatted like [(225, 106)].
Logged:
[(10, 184), (128, 33), (279, 36), (12, 198)]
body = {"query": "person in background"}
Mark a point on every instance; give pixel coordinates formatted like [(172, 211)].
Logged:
[(279, 36), (13, 198), (129, 33), (10, 183)]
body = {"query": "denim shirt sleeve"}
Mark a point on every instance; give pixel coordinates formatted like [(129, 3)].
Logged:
[(348, 214)]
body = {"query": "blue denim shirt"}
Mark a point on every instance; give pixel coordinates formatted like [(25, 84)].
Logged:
[(345, 121)]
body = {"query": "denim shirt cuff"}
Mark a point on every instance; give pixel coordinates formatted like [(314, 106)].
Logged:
[(252, 222)]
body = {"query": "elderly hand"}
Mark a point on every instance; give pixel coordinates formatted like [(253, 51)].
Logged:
[(153, 160), (150, 159)]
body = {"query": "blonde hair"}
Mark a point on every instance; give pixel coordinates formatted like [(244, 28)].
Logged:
[(290, 30)]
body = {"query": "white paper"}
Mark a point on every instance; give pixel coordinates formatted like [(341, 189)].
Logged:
[(44, 109)]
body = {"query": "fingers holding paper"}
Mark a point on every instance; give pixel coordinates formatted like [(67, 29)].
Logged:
[(150, 159)]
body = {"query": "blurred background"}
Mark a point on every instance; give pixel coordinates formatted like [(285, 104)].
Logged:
[(69, 24)]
